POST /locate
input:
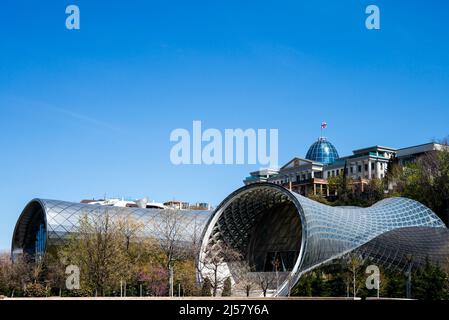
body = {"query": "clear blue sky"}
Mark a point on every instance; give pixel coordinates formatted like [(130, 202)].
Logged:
[(89, 112)]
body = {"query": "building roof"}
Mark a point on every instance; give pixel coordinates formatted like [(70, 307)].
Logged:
[(264, 172), (420, 148), (373, 148), (322, 151), (297, 162)]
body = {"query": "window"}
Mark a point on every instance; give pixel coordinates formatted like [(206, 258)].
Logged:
[(366, 166), (359, 168), (372, 165), (338, 172), (352, 169), (328, 174), (40, 242)]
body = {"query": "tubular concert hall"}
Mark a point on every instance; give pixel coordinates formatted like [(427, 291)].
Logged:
[(266, 222)]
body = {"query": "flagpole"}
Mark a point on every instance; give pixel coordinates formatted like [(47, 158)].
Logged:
[(323, 126)]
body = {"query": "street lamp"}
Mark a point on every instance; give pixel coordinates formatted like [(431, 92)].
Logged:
[(408, 274)]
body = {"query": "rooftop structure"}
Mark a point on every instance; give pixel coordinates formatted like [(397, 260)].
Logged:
[(322, 151), (145, 203), (115, 202)]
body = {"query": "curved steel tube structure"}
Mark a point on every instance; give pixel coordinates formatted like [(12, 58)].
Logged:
[(399, 249), (266, 218), (273, 228), (45, 222)]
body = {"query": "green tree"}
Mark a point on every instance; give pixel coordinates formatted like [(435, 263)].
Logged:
[(206, 288), (374, 191), (319, 198), (427, 180), (102, 251), (227, 287), (354, 267), (395, 285), (185, 277), (430, 282), (319, 285), (394, 170), (340, 185), (303, 288)]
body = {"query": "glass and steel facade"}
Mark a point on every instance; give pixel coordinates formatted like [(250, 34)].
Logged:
[(273, 228), (402, 248), (319, 233), (50, 222), (322, 151)]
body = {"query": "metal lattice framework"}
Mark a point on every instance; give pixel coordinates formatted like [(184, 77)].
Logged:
[(412, 246), (62, 218), (327, 232), (260, 221), (322, 151)]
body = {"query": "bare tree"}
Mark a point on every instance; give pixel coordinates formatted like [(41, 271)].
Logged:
[(266, 281), (171, 232), (244, 278), (217, 258), (130, 229), (14, 277)]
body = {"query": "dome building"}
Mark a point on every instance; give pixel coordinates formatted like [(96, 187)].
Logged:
[(309, 175), (322, 151)]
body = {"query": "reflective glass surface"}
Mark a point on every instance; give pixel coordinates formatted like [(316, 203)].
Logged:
[(322, 151), (326, 233), (40, 242), (63, 219)]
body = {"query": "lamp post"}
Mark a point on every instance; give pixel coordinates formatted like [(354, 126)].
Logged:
[(408, 274)]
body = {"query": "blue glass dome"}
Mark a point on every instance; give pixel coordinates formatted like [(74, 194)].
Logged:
[(322, 151)]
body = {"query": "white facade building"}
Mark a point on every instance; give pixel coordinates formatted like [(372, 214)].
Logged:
[(311, 174)]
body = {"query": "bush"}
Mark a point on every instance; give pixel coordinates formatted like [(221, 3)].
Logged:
[(36, 290), (78, 293)]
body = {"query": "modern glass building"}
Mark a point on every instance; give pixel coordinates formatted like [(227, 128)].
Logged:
[(268, 223), (44, 223), (322, 151), (407, 247), (273, 228)]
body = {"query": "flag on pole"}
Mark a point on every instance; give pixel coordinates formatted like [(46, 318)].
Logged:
[(323, 125)]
